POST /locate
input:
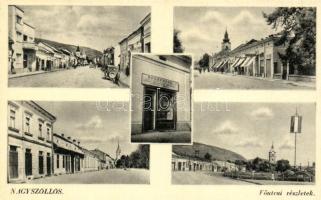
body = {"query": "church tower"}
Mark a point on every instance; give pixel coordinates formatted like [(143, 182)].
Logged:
[(272, 155), (226, 44)]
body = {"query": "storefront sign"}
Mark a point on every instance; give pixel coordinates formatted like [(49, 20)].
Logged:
[(159, 82)]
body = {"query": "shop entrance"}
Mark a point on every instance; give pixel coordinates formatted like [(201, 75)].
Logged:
[(159, 112)]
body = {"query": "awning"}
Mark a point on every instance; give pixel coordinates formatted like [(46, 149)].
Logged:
[(234, 63), (41, 56), (239, 62), (251, 60), (247, 59), (218, 64), (223, 63)]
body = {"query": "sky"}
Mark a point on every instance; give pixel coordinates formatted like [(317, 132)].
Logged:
[(97, 27), (202, 28), (93, 124), (250, 129)]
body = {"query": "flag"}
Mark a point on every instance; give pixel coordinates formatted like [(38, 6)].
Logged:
[(296, 124)]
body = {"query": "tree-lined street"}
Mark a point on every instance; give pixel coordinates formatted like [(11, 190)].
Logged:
[(81, 77)]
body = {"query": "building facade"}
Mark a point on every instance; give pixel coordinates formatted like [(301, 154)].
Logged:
[(23, 42), (137, 42), (68, 155), (30, 152), (161, 99), (184, 163), (255, 58)]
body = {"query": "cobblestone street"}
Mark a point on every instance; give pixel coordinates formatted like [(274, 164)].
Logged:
[(81, 77), (112, 176), (211, 80)]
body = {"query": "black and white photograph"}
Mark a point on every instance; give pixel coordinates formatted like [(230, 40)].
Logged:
[(75, 46), (248, 144), (73, 142), (161, 88), (249, 47)]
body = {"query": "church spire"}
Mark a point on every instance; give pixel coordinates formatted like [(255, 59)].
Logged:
[(226, 38)]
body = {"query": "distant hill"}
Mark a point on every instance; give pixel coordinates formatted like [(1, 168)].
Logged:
[(216, 152), (91, 53)]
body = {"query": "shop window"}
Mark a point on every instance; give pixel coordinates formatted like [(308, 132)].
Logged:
[(13, 162), (41, 161), (28, 162)]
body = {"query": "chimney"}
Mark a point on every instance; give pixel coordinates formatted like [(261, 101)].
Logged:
[(78, 143), (62, 135), (69, 138), (74, 140)]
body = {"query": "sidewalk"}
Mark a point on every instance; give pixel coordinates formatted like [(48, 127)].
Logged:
[(11, 76), (295, 83)]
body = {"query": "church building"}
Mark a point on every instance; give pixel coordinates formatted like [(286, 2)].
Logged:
[(272, 155)]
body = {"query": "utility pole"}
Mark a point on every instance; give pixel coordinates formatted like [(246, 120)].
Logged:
[(296, 122)]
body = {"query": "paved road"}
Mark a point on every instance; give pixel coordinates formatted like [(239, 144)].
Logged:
[(202, 178), (81, 77), (112, 176), (163, 137), (211, 80)]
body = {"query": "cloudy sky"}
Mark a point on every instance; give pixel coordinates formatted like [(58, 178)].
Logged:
[(202, 28), (97, 27), (93, 124), (250, 128)]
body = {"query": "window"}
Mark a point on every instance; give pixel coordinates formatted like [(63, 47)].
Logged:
[(12, 122), (25, 38), (27, 123), (19, 36), (57, 160), (41, 166), (40, 129), (18, 19), (63, 161), (28, 162), (48, 133)]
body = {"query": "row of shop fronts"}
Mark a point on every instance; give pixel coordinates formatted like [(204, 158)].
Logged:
[(259, 58), (184, 163), (35, 151), (30, 54)]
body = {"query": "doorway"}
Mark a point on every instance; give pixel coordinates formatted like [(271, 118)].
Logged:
[(48, 164), (159, 113)]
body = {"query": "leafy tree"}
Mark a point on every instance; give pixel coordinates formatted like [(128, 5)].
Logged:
[(298, 33), (140, 157), (178, 47), (208, 156), (283, 165), (204, 61)]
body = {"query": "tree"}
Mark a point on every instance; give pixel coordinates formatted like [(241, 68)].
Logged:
[(204, 61), (140, 157), (178, 47), (298, 33), (208, 156), (283, 165)]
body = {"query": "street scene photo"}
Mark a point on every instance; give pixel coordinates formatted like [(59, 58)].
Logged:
[(248, 143), (73, 142), (161, 88), (249, 47), (75, 46)]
